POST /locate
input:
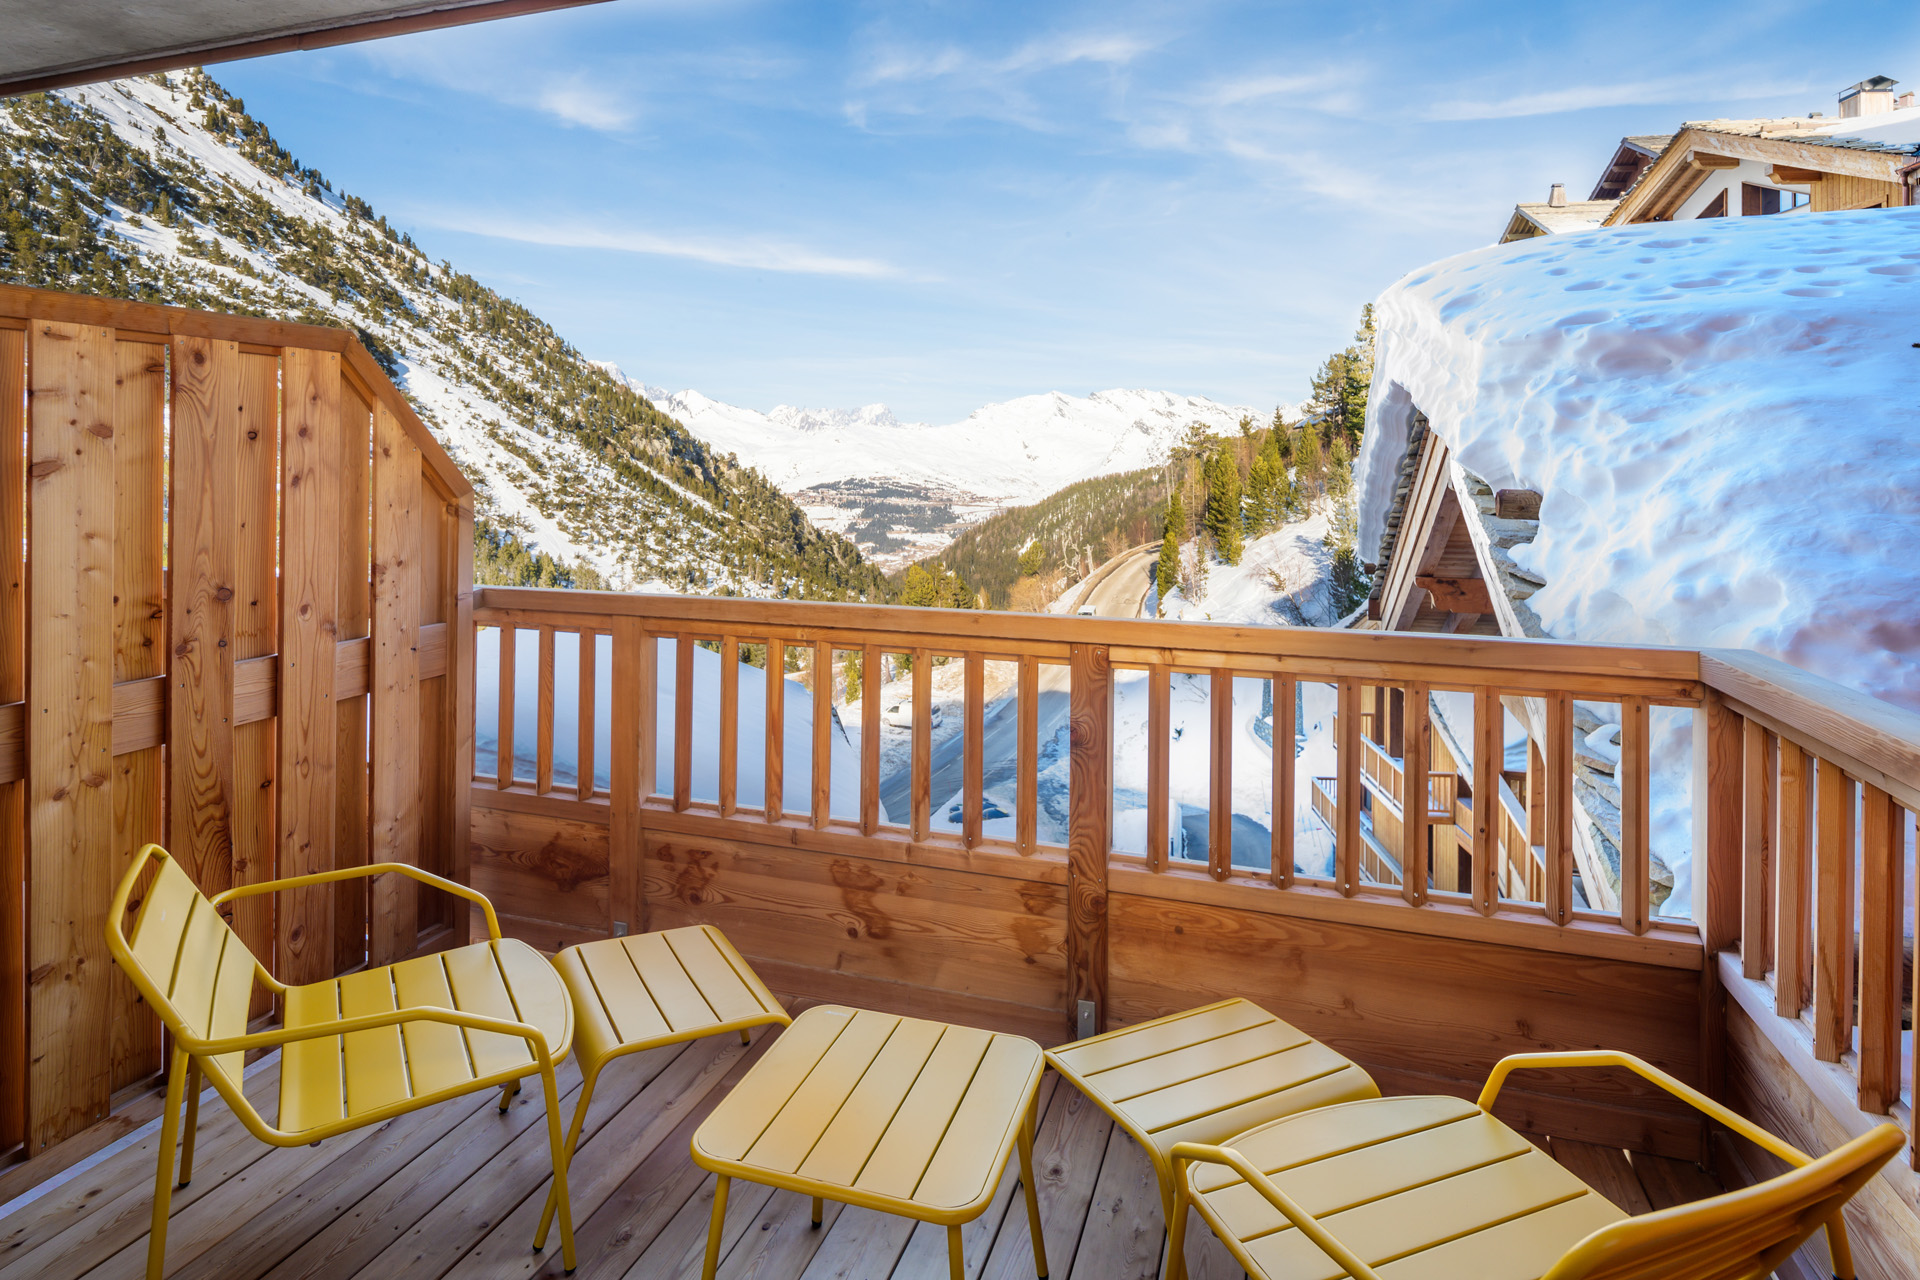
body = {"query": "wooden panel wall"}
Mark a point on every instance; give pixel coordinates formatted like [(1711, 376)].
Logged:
[(1837, 191), (157, 683)]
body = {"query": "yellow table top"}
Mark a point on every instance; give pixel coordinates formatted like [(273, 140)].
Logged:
[(661, 988), (1207, 1074), (897, 1114), (1420, 1188)]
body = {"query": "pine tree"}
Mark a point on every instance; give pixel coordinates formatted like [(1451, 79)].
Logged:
[(1166, 573), (1223, 505)]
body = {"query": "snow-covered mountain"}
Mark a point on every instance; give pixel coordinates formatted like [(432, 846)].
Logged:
[(164, 188)]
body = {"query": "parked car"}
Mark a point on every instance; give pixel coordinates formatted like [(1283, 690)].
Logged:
[(1087, 611), (900, 715)]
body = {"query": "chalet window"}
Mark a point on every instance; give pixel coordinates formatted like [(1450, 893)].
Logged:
[(1758, 200), (1716, 208)]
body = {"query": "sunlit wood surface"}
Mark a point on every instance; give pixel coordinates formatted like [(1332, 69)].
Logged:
[(456, 1190)]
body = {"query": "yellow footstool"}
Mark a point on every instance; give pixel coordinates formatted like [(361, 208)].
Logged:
[(1205, 1075), (654, 989)]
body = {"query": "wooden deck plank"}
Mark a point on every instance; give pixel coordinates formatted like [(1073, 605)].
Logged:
[(1067, 1152), (862, 1243), (1668, 1182), (1605, 1169), (781, 1241), (1124, 1234), (680, 1245)]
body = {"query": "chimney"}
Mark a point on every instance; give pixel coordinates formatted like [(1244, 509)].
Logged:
[(1868, 98), (1557, 196)]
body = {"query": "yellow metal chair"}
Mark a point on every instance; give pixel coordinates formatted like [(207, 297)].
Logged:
[(1434, 1188), (355, 1050)]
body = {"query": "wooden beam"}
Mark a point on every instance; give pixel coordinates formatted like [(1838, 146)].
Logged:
[(1793, 175), (1708, 160), (1089, 839), (1516, 504), (394, 795), (1457, 595), (14, 1048)]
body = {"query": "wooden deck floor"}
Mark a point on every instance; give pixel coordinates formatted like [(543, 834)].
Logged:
[(455, 1191)]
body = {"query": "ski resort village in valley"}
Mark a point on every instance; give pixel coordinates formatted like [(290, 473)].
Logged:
[(1291, 709)]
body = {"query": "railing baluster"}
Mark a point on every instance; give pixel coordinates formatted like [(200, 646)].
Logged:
[(589, 663), (1220, 777), (1883, 912), (1346, 848), (682, 721), (1833, 929), (1159, 750), (1415, 805), (1489, 757), (1280, 857), (729, 724), (822, 727), (503, 750), (543, 722), (1635, 779), (648, 762), (632, 708), (1559, 813), (922, 764), (1027, 760), (776, 684), (869, 740), (1756, 875), (973, 754), (1792, 940)]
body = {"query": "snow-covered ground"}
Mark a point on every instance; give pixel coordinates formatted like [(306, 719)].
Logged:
[(1008, 453), (1281, 580), (1719, 416)]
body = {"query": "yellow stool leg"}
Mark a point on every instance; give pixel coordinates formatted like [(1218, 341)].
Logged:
[(956, 1261), (1176, 1268), (193, 1120), (558, 1145), (573, 1138), (1033, 1198), (817, 1207), (714, 1229), (163, 1181), (508, 1092), (744, 1037)]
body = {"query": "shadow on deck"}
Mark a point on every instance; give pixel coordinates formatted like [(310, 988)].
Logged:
[(456, 1190)]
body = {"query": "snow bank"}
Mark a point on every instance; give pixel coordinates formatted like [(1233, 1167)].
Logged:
[(1296, 553), (1719, 415)]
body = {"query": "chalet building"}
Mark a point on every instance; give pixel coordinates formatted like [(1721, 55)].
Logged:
[(1866, 158)]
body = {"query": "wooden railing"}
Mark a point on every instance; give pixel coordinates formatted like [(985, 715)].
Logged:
[(233, 572)]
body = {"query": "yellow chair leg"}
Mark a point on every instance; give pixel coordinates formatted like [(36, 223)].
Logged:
[(956, 1260), (1176, 1268), (744, 1037), (193, 1121), (558, 1145), (714, 1228), (508, 1092), (1033, 1197), (818, 1212), (163, 1181), (573, 1140)]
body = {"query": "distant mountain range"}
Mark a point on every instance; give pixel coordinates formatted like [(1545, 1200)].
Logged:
[(902, 489)]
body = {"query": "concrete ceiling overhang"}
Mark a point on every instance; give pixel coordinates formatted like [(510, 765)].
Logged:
[(50, 44)]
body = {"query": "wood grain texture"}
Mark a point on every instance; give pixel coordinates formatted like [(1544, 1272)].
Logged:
[(973, 750), (1220, 774), (1557, 757), (1417, 752), (458, 669), (1636, 809), (394, 795), (1346, 839), (920, 783), (631, 702), (1159, 751), (1489, 759), (1835, 911), (69, 651), (683, 646), (543, 715), (506, 742), (776, 730), (820, 673), (256, 634), (354, 610), (1756, 849), (206, 425), (586, 714), (730, 724), (14, 1053), (309, 627), (1883, 908), (1089, 831), (1027, 797), (140, 652), (1793, 896), (869, 740), (542, 867), (1285, 771)]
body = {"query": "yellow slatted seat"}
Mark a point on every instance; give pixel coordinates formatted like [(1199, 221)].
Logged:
[(355, 1050), (1205, 1075), (1435, 1188)]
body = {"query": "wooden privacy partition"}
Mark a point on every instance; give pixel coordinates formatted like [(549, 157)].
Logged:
[(234, 576)]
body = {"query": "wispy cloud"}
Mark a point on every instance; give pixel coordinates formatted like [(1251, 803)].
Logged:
[(1581, 97), (603, 102), (750, 252)]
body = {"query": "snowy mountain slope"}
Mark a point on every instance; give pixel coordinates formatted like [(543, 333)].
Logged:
[(163, 188), (1011, 452)]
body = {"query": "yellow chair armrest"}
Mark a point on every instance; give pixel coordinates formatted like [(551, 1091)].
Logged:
[(1204, 1153), (1647, 1071), (278, 1036), (370, 869)]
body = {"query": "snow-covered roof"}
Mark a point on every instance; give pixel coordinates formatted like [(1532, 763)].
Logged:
[(1558, 219), (1720, 415), (1892, 131)]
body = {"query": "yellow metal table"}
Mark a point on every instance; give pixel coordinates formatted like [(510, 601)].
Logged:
[(902, 1115), (654, 989), (1205, 1075)]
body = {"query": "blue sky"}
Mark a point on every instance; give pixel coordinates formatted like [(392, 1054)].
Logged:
[(943, 204)]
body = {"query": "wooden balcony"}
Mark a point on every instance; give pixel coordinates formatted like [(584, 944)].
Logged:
[(294, 688)]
